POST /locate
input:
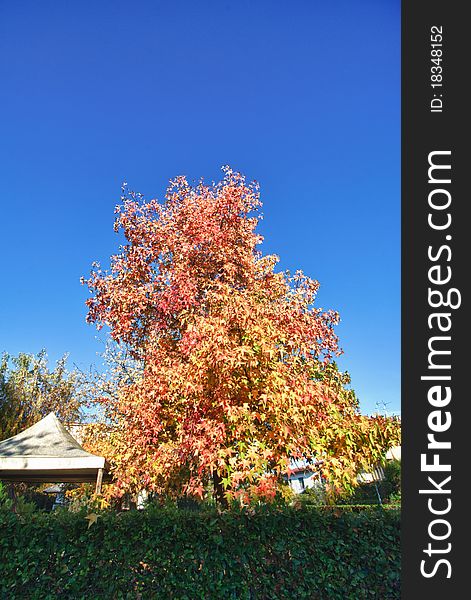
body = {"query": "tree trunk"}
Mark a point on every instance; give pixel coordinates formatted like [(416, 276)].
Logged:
[(219, 491), (13, 497)]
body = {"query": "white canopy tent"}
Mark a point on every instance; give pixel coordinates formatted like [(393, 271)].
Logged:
[(47, 452)]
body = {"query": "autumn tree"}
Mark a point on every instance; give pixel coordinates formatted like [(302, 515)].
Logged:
[(237, 376), (30, 389)]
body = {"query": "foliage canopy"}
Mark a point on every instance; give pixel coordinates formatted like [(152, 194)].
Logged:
[(29, 390), (237, 376)]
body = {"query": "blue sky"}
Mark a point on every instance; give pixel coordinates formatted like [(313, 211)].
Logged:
[(302, 96)]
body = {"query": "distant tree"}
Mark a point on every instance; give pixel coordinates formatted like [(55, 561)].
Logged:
[(237, 376), (29, 390)]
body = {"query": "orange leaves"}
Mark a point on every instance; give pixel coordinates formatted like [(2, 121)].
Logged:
[(237, 375)]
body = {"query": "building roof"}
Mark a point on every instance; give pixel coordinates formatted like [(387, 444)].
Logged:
[(47, 452), (394, 453)]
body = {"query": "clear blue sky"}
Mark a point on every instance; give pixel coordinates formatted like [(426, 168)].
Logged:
[(303, 96)]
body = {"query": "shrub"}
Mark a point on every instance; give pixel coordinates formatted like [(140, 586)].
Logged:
[(267, 553), (389, 488)]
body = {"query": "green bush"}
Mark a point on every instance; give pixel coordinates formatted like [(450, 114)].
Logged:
[(389, 488), (21, 504), (269, 553)]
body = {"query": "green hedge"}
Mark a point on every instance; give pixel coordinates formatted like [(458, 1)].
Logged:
[(175, 554)]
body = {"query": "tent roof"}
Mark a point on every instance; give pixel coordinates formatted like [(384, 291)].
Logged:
[(47, 452)]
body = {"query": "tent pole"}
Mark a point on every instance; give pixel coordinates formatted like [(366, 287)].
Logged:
[(99, 479)]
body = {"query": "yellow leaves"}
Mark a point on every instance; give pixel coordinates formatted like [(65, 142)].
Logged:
[(100, 502), (92, 518)]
